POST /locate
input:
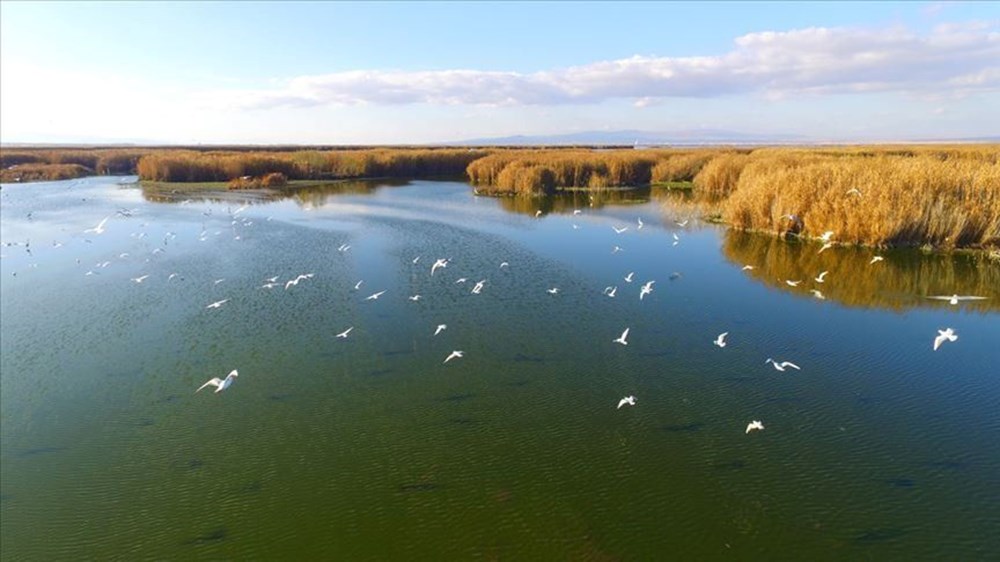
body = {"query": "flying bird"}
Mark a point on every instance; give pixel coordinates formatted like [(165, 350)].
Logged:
[(943, 335), (345, 332), (357, 286), (344, 247), (619, 230), (821, 277), (140, 279), (628, 278), (621, 339), (876, 259), (646, 289), (640, 224), (415, 260), (755, 424), (747, 267), (440, 328), (453, 355), (953, 299), (781, 366), (630, 400), (617, 249), (415, 298), (854, 191), (479, 287), (504, 264), (610, 291), (217, 304), (220, 384), (576, 211), (553, 291), (374, 296), (682, 224), (826, 236), (721, 340), (437, 264), (818, 294), (826, 246), (793, 283), (99, 229)]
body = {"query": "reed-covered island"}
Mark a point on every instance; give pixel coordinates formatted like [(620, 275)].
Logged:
[(935, 196)]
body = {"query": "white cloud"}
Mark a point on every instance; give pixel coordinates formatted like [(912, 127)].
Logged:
[(950, 60)]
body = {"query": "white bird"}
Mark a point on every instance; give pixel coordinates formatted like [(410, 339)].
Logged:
[(217, 304), (640, 224), (440, 328), (538, 213), (628, 278), (343, 247), (217, 281), (220, 384), (99, 229), (821, 277), (619, 230), (576, 211), (140, 279), (504, 264), (575, 227), (946, 334), (296, 281), (793, 283), (415, 298), (617, 249), (676, 238), (781, 366), (171, 276), (553, 291), (345, 332), (826, 236), (437, 264), (357, 285), (374, 296), (682, 224), (479, 287), (854, 191), (415, 260), (621, 339), (721, 340), (453, 355), (646, 289), (610, 291), (755, 424), (747, 267), (876, 259), (818, 295), (953, 299), (826, 246), (461, 280), (272, 279), (630, 400), (268, 285)]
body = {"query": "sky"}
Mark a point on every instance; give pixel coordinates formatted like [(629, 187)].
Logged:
[(428, 72)]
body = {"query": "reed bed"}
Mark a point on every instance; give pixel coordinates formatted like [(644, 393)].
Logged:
[(881, 200), (193, 166)]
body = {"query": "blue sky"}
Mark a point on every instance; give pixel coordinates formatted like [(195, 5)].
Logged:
[(312, 72)]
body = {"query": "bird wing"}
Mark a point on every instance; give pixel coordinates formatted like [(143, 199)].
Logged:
[(938, 340), (971, 298), (212, 382), (790, 364)]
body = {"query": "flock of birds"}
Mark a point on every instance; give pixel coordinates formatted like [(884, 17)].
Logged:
[(945, 335)]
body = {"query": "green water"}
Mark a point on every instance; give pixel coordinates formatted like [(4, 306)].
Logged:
[(370, 447)]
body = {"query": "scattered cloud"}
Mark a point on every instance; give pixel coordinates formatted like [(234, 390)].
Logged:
[(952, 59)]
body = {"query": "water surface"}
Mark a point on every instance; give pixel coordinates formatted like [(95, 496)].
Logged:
[(370, 447)]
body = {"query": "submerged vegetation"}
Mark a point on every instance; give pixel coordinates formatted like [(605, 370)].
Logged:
[(938, 196)]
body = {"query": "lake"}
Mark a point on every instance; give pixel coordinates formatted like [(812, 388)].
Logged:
[(372, 447)]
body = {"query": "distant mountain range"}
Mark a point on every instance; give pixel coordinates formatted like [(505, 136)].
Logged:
[(643, 138), (689, 137)]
